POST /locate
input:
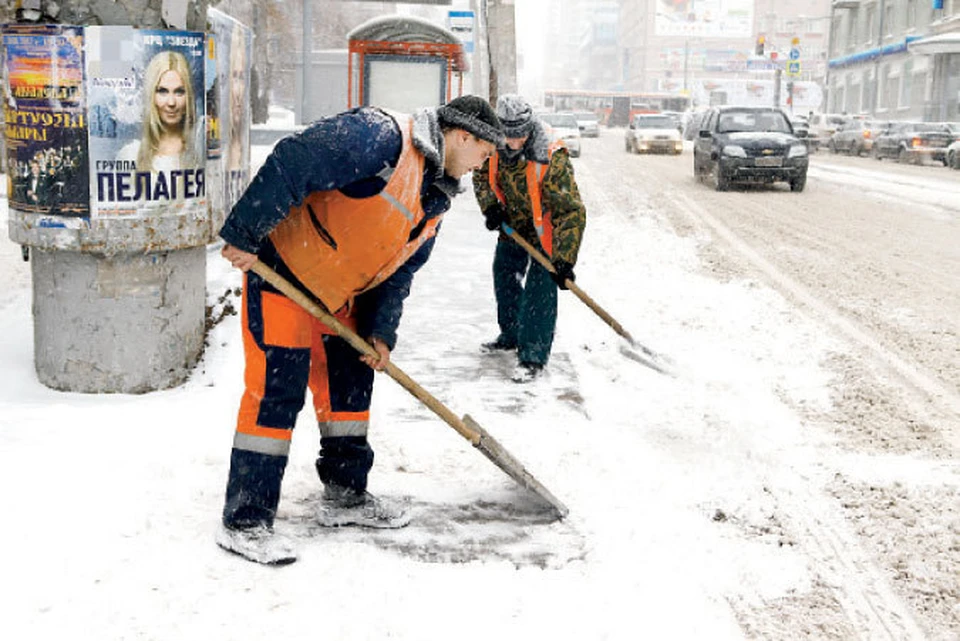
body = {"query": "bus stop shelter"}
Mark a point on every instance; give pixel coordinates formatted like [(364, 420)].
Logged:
[(404, 63)]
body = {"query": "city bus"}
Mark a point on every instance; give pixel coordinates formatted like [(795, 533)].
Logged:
[(614, 108)]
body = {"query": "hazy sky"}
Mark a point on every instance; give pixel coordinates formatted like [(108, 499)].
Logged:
[(530, 39)]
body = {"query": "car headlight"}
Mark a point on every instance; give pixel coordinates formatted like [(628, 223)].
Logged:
[(797, 151), (734, 151)]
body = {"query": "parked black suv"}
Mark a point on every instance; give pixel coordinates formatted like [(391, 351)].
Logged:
[(749, 144)]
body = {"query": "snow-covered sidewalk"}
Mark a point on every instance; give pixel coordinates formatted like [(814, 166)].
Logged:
[(111, 502)]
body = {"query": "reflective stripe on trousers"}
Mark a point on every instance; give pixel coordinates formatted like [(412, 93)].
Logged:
[(287, 350)]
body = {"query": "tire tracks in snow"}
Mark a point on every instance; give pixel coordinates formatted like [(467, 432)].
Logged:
[(865, 595), (907, 371), (855, 580), (869, 601), (927, 191)]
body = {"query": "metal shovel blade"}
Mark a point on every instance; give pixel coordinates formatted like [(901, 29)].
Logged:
[(649, 358), (513, 468)]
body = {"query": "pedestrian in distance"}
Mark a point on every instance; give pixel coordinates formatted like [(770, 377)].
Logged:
[(529, 185), (348, 210)]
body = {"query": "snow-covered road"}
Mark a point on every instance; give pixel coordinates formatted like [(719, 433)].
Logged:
[(911, 187)]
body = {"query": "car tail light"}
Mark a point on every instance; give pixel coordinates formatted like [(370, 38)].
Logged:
[(916, 142)]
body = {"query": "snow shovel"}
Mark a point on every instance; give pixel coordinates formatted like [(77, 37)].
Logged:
[(648, 357), (467, 427)]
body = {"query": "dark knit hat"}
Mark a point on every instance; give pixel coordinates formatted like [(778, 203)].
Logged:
[(516, 114), (473, 114)]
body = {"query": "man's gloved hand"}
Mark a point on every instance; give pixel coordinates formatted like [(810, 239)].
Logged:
[(563, 273), (494, 215)]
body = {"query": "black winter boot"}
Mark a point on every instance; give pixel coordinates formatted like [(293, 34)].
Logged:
[(501, 344)]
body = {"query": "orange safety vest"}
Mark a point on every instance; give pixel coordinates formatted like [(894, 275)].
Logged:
[(536, 173), (340, 247)]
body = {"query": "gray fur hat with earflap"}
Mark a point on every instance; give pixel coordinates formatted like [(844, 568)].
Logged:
[(515, 114)]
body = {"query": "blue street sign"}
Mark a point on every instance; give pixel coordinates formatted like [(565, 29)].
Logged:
[(794, 54), (793, 68), (461, 23)]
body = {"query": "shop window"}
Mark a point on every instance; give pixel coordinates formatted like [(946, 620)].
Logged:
[(885, 84), (852, 23), (870, 24), (906, 85)]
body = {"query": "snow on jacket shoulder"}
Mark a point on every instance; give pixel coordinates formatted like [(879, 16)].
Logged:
[(348, 152)]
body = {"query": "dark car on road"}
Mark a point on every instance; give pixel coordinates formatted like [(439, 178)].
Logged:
[(913, 142), (749, 144), (801, 129), (856, 136)]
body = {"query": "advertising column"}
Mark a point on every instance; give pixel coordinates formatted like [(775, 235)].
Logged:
[(113, 120)]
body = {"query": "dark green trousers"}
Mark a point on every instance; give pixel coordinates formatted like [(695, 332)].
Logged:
[(526, 302)]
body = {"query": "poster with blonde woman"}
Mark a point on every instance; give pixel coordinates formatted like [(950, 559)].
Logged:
[(147, 140), (228, 105)]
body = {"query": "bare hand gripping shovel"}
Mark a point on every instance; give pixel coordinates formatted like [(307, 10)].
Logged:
[(467, 427), (647, 356)]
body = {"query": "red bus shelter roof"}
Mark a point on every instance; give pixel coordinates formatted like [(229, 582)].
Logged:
[(407, 35)]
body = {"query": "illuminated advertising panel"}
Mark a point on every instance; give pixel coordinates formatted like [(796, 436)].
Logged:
[(704, 18)]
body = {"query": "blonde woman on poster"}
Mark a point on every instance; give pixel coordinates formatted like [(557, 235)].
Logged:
[(169, 117)]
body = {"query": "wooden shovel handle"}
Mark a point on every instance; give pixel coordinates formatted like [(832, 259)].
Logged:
[(538, 256), (362, 346)]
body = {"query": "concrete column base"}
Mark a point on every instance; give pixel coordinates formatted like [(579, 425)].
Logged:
[(129, 323)]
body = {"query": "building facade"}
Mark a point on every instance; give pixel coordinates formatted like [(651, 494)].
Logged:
[(562, 22), (597, 52), (710, 50), (895, 59)]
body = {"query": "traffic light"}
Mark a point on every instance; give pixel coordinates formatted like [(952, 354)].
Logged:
[(761, 40)]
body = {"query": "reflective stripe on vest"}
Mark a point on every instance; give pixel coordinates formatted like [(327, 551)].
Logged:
[(340, 247), (536, 173)]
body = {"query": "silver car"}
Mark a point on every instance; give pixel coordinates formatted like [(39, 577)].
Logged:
[(589, 124), (653, 132), (563, 126)]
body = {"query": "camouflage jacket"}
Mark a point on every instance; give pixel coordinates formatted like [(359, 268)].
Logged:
[(559, 196)]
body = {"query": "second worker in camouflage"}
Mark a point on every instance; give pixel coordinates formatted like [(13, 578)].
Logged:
[(529, 185)]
